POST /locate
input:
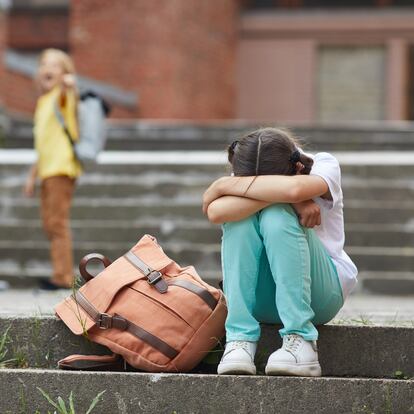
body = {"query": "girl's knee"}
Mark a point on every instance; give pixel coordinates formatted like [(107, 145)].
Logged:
[(278, 216), (242, 227)]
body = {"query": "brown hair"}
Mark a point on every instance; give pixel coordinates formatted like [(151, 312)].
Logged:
[(267, 151)]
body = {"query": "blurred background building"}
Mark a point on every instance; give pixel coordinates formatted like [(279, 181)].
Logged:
[(279, 60)]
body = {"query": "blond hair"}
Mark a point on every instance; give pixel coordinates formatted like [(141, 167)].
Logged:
[(64, 59)]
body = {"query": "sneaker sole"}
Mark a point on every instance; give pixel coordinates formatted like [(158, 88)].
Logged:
[(238, 368), (304, 370)]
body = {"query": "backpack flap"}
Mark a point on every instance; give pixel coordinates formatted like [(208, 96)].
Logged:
[(92, 129), (101, 290)]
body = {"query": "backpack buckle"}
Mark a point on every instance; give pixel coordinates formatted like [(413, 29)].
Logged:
[(154, 277), (104, 321)]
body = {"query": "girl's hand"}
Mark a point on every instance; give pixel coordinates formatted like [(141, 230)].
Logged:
[(69, 81), (29, 187), (214, 192), (309, 213)]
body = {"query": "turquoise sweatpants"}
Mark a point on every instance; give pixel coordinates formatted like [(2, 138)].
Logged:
[(276, 271)]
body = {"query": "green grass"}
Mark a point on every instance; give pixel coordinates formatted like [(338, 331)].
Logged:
[(62, 407), (5, 359)]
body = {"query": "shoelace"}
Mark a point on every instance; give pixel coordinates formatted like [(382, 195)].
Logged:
[(237, 345), (291, 342)]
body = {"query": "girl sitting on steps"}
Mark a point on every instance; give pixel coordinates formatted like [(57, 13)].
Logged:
[(276, 268)]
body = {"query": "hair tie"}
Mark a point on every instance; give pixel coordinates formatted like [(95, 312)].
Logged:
[(233, 145), (295, 157)]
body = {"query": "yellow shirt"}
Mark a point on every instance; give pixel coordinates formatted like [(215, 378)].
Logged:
[(55, 153)]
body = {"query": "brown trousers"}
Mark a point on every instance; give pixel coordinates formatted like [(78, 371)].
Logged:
[(56, 198)]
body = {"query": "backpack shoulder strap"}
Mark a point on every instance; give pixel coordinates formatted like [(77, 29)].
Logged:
[(62, 122)]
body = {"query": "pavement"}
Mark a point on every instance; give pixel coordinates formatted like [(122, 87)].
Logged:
[(359, 309)]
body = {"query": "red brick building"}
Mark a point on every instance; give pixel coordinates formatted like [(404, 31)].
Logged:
[(283, 60)]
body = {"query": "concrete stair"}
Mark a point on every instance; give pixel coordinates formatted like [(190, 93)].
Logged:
[(356, 379), (159, 135), (130, 194)]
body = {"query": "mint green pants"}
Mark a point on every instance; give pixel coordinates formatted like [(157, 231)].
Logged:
[(276, 271)]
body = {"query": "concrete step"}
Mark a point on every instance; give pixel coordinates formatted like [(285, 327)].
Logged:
[(167, 135), (388, 283), (197, 231), (372, 164), (179, 184), (203, 394), (205, 256), (381, 235), (45, 340), (188, 207), (28, 274), (38, 343)]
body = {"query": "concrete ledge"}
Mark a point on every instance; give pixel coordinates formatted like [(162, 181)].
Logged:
[(360, 351), (180, 393)]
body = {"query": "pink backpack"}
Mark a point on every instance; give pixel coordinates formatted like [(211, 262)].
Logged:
[(158, 316)]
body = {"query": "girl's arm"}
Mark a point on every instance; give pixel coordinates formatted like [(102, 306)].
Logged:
[(28, 189), (68, 84), (233, 208), (268, 188)]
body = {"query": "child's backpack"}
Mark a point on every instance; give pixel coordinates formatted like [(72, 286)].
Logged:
[(92, 111), (144, 307)]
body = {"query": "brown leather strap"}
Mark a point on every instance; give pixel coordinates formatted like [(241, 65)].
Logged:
[(86, 259), (112, 362), (152, 340), (153, 276), (103, 320), (106, 321), (199, 291)]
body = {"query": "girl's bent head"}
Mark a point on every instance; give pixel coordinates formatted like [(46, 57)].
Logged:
[(268, 151), (54, 64)]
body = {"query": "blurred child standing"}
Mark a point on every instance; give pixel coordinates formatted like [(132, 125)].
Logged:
[(56, 165)]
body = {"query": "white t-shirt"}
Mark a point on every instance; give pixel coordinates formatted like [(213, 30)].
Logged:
[(331, 231)]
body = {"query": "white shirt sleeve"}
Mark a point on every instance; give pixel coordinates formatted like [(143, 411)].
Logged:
[(326, 166)]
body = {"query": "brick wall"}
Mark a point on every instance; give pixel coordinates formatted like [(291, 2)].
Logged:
[(28, 30), (179, 55), (31, 29), (20, 93)]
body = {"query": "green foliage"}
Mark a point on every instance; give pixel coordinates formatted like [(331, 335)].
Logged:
[(5, 340), (400, 375), (214, 356), (60, 405), (11, 359), (362, 320), (77, 283), (20, 359)]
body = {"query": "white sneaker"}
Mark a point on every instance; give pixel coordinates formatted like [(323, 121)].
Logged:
[(296, 357), (238, 358)]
